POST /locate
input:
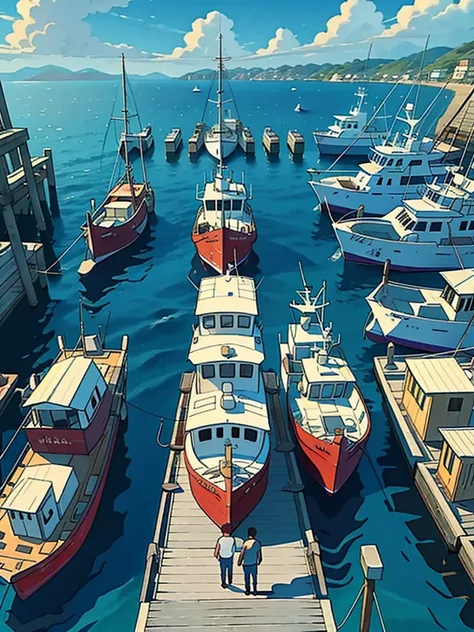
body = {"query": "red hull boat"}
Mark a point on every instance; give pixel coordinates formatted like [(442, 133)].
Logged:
[(224, 247)]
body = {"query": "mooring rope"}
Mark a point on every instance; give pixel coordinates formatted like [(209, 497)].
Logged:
[(47, 271), (351, 609)]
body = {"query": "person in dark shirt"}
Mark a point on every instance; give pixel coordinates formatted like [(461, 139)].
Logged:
[(250, 558)]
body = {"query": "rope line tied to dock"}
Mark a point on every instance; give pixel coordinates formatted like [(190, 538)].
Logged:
[(351, 609), (48, 269)]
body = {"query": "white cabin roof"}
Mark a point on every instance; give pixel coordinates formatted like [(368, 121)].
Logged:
[(119, 204), (439, 375), (251, 410), (68, 383), (333, 370), (225, 190), (210, 348), (460, 440), (227, 294), (462, 281), (34, 483)]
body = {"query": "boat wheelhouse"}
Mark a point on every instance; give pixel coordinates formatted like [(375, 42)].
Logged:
[(227, 446), (395, 171), (224, 230), (141, 141), (351, 133), (271, 141), (327, 411), (51, 496), (173, 140), (422, 317), (432, 232), (122, 217)]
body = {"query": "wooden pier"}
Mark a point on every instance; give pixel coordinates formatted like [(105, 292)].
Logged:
[(8, 384), (454, 128), (181, 587)]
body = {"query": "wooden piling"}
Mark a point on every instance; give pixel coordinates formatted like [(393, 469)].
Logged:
[(32, 188), (6, 123), (53, 194), (373, 570)]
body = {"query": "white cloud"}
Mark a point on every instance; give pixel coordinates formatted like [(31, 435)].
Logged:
[(201, 40), (284, 40), (357, 21), (50, 27)]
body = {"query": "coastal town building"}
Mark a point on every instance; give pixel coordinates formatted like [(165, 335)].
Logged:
[(438, 74)]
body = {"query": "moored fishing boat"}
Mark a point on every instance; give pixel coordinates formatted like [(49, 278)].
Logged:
[(424, 318), (123, 215), (50, 498), (140, 142), (327, 411), (350, 134), (432, 232), (227, 445), (394, 172)]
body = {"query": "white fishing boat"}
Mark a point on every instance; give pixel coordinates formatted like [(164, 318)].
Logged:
[(328, 413), (298, 108), (432, 232), (222, 138), (196, 89), (227, 444), (423, 317), (293, 89), (351, 133), (394, 172)]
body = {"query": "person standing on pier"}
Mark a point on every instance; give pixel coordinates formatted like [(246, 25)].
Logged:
[(251, 558), (224, 552)]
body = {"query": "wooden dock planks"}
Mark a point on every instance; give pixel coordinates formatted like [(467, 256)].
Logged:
[(186, 591)]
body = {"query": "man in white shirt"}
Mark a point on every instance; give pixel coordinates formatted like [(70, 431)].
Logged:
[(224, 552)]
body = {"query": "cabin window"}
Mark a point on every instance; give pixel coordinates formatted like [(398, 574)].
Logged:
[(205, 434), (327, 391), (235, 432), (415, 163), (435, 197), (417, 393), (211, 205), (227, 321), (250, 435), (227, 205), (421, 227), (315, 391), (460, 304), (448, 460), (390, 162), (412, 180), (468, 304), (399, 162), (219, 433), (97, 393), (246, 370), (435, 227), (349, 125), (463, 226), (208, 371), (47, 518), (339, 390), (244, 322), (219, 205), (209, 322), (93, 401), (227, 370), (356, 125), (237, 205), (379, 181), (28, 516), (60, 419), (389, 182), (13, 515), (21, 516), (455, 404), (471, 225)]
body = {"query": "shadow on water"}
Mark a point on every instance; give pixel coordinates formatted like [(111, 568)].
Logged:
[(75, 590)]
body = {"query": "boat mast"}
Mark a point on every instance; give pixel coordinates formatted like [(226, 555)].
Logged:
[(220, 124), (128, 167)]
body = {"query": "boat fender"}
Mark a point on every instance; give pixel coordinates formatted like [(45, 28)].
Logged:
[(123, 411), (300, 387)]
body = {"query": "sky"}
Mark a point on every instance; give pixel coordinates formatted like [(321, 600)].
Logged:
[(180, 36)]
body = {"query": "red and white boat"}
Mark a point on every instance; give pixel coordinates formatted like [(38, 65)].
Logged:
[(224, 230), (122, 217), (328, 413), (227, 444), (50, 498)]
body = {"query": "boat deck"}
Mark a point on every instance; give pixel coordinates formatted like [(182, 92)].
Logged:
[(181, 588)]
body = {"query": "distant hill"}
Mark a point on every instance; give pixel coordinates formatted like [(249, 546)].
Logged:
[(451, 59), (410, 64), (57, 73)]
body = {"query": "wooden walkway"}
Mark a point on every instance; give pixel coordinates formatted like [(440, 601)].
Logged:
[(182, 590)]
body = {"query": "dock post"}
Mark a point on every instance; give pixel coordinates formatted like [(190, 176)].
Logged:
[(390, 356), (6, 123), (372, 567), (6, 199), (360, 211), (32, 188), (44, 203), (386, 271), (53, 194)]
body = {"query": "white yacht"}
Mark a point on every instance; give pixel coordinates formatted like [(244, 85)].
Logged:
[(350, 134), (227, 443), (298, 108), (432, 232), (221, 139), (196, 89), (422, 317), (394, 172)]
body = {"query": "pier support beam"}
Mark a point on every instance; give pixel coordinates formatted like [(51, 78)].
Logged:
[(373, 570), (32, 189), (6, 200), (44, 203), (6, 123), (53, 194)]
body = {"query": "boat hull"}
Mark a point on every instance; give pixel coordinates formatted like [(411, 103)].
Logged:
[(330, 464), (224, 247), (134, 142), (335, 146), (214, 501), (221, 145)]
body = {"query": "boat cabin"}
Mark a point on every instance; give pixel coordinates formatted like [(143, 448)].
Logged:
[(39, 499), (117, 212), (69, 407), (459, 292), (456, 464), (437, 393), (325, 378)]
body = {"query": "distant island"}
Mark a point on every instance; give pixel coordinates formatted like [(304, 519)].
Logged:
[(440, 63)]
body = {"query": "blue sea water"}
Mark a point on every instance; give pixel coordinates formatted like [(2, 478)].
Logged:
[(147, 294)]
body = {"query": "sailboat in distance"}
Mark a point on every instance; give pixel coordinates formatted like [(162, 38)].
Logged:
[(123, 215), (221, 139)]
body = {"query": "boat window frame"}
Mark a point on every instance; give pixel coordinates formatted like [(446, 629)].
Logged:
[(208, 366), (201, 434), (317, 387), (244, 366), (227, 365), (327, 386), (239, 320), (453, 404), (463, 225), (448, 459), (339, 385), (221, 320), (252, 432), (207, 317), (235, 432), (237, 205), (226, 205), (421, 227), (210, 205), (220, 432), (432, 228), (399, 163)]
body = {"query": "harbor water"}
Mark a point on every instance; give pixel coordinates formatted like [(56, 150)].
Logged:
[(145, 293)]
